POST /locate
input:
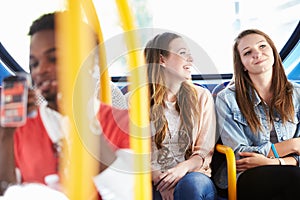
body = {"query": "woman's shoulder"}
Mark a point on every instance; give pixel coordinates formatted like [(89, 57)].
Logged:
[(229, 90), (296, 89), (296, 85), (226, 96)]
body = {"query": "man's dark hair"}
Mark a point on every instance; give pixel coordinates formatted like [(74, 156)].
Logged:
[(47, 22), (44, 22)]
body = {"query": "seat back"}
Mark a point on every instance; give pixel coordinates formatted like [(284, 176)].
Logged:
[(219, 159), (218, 88)]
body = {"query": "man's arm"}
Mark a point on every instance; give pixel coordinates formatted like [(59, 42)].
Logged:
[(7, 161)]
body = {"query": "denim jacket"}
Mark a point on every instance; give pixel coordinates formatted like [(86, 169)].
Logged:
[(235, 132)]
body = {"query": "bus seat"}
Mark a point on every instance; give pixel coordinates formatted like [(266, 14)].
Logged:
[(223, 159), (125, 88), (218, 88)]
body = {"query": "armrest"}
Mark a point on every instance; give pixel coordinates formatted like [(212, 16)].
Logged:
[(231, 169)]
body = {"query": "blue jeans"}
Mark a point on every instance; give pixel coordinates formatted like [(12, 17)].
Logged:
[(193, 186)]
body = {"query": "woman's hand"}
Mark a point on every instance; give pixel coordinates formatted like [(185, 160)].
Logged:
[(167, 194), (156, 177), (251, 159), (170, 178)]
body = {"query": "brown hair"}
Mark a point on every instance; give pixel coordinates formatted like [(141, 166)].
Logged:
[(281, 88), (186, 101)]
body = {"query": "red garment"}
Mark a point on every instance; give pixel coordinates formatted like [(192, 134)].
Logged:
[(115, 125), (35, 154)]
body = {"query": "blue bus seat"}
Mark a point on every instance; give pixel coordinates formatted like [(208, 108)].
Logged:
[(218, 88)]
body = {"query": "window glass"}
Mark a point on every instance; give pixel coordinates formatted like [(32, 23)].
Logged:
[(209, 26), (16, 17)]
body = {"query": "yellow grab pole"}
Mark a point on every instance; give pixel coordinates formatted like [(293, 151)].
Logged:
[(91, 14), (231, 170), (139, 113), (77, 165)]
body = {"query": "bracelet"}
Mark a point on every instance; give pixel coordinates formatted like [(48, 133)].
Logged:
[(274, 151), (281, 161)]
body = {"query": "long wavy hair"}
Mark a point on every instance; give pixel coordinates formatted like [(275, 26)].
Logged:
[(186, 98), (281, 88)]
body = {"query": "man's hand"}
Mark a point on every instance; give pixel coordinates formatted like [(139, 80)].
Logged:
[(31, 102)]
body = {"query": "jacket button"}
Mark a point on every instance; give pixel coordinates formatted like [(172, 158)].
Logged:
[(284, 137)]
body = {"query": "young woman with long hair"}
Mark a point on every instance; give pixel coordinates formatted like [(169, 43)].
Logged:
[(258, 117), (182, 118)]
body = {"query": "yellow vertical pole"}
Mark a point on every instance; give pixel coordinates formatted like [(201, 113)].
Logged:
[(91, 14), (139, 113), (77, 165), (231, 170)]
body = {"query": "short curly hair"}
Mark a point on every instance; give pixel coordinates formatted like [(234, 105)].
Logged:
[(44, 22), (47, 22)]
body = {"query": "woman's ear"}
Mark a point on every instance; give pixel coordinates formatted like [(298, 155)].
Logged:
[(162, 60)]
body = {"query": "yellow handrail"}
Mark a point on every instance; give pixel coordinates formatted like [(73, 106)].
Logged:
[(231, 169), (139, 113), (81, 168), (77, 164), (92, 17)]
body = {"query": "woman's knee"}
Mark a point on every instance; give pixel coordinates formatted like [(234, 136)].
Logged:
[(196, 184)]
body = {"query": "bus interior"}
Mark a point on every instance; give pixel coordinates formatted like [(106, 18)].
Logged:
[(209, 27)]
